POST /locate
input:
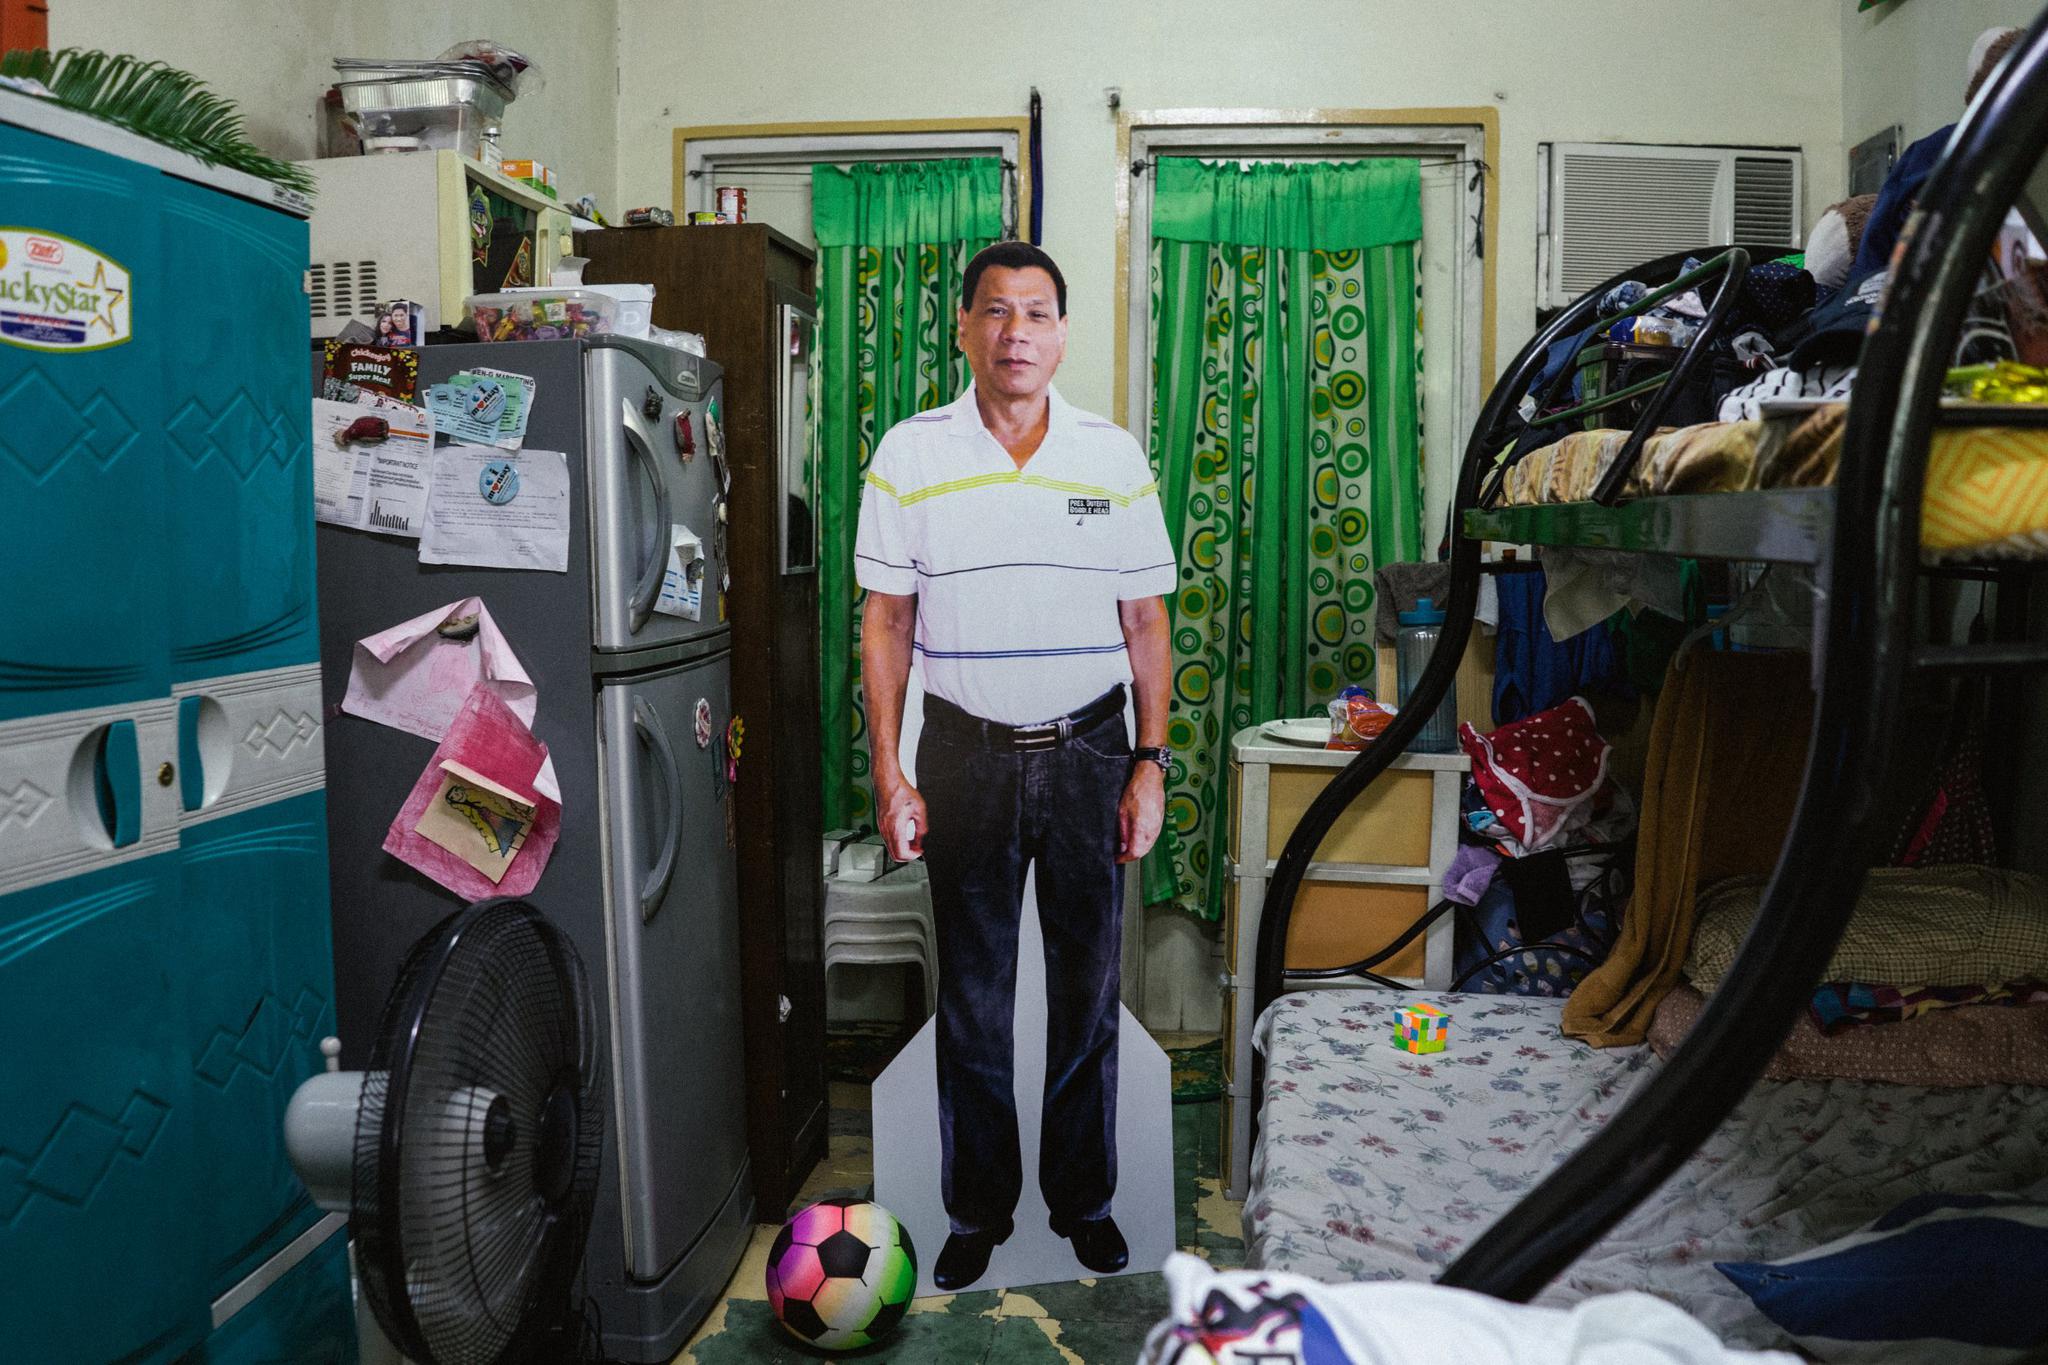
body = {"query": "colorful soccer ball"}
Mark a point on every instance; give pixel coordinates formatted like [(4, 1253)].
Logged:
[(841, 1274)]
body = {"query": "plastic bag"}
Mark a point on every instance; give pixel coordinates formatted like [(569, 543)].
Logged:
[(1648, 329), (518, 73), (1356, 720)]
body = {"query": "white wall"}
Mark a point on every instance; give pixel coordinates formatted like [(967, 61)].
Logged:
[(1556, 72), (273, 58), (1588, 70), (1905, 62), (623, 74)]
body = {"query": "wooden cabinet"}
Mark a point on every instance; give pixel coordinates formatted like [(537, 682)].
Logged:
[(742, 287), (1375, 874)]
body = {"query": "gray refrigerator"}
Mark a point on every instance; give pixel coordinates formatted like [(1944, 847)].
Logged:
[(642, 876)]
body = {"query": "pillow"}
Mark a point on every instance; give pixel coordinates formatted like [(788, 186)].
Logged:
[(1942, 1277), (1973, 1045), (1931, 926)]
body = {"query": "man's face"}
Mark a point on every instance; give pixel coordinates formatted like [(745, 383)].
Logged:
[(1014, 335)]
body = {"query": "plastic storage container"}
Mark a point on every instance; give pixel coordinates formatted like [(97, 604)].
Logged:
[(542, 314), (1413, 644), (635, 313)]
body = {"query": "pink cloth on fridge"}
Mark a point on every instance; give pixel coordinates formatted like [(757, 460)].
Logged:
[(487, 737)]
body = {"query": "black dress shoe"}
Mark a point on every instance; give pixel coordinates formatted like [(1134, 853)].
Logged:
[(964, 1258), (1100, 1245)]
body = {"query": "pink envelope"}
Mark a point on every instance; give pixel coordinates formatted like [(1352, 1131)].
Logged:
[(489, 739)]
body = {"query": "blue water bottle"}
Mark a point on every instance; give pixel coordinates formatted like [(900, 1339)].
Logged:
[(1413, 644)]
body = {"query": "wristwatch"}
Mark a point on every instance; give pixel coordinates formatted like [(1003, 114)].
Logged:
[(1152, 753)]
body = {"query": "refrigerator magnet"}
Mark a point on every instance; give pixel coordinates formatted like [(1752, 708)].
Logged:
[(485, 401), (686, 439), (703, 723), (498, 481)]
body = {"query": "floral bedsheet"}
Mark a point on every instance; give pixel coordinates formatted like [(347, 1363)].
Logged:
[(1374, 1163)]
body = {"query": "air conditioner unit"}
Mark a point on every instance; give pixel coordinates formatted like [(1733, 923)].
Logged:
[(1611, 205)]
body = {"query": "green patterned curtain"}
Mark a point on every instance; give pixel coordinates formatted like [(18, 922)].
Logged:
[(893, 240), (1287, 436)]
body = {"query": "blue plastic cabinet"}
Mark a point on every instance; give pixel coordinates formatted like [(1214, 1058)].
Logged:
[(166, 969)]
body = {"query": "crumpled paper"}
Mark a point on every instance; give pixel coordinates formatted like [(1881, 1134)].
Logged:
[(412, 678)]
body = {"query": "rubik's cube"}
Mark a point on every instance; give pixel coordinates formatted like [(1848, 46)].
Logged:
[(1421, 1028)]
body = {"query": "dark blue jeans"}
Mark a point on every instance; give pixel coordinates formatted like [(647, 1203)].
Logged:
[(993, 813)]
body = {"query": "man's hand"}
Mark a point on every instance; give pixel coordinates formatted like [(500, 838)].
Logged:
[(1141, 812), (1143, 809), (904, 822), (887, 622)]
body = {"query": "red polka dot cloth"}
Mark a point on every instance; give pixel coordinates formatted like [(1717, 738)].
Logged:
[(1534, 772)]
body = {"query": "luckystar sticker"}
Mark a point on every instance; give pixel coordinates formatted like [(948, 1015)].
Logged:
[(114, 296)]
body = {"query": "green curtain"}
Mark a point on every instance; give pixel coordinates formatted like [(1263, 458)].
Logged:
[(1287, 434), (893, 241)]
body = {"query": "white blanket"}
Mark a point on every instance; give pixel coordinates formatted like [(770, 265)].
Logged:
[(1251, 1317), (1375, 1164)]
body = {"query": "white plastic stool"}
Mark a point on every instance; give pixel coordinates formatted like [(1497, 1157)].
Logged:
[(898, 897), (869, 946), (885, 920)]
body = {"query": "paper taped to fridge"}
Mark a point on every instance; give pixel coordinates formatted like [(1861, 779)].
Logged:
[(498, 509), (371, 483)]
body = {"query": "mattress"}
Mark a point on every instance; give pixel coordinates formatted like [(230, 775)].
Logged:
[(1986, 492), (1374, 1163)]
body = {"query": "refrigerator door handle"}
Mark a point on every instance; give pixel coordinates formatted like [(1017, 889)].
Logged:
[(648, 589), (648, 726)]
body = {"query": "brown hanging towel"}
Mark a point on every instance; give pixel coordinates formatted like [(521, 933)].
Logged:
[(1727, 751)]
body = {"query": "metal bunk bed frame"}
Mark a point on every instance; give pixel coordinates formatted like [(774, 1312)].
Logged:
[(1866, 547)]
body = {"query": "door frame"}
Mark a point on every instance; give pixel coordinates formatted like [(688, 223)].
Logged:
[(1468, 134), (700, 149)]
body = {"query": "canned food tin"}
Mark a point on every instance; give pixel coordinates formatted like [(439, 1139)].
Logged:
[(732, 202)]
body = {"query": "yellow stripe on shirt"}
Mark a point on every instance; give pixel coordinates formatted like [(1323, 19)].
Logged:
[(939, 490)]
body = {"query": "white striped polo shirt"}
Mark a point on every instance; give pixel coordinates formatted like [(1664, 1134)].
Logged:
[(1017, 573)]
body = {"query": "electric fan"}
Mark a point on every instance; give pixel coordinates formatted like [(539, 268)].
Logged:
[(466, 1156)]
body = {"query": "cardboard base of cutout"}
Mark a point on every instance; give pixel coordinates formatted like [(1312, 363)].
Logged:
[(906, 1138)]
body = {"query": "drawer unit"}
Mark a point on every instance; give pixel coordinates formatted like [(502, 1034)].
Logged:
[(1376, 873)]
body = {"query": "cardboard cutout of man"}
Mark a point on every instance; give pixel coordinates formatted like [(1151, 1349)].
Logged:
[(1015, 544)]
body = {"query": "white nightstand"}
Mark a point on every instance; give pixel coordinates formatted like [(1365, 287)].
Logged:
[(1376, 873)]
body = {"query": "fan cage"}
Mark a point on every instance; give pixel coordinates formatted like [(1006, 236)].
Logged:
[(478, 1139)]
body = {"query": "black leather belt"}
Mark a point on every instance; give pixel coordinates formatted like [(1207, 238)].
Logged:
[(944, 716)]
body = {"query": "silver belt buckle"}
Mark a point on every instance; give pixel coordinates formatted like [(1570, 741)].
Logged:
[(1032, 738)]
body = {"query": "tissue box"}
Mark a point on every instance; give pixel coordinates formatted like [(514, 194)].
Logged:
[(864, 861), (1421, 1028)]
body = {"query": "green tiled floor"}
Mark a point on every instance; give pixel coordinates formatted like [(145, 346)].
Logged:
[(1089, 1322)]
